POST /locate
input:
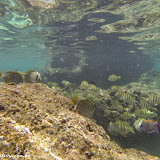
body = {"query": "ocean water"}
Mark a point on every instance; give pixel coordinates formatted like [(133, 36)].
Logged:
[(64, 46), (82, 40), (21, 50)]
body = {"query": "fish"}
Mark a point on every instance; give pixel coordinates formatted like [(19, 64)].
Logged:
[(137, 124), (154, 99), (126, 97), (1, 74), (74, 100), (84, 85), (113, 78), (84, 107), (117, 106), (123, 127), (92, 87), (12, 76), (120, 128), (114, 88), (32, 77), (145, 113), (66, 83), (127, 115), (112, 129), (91, 38), (145, 104), (150, 126)]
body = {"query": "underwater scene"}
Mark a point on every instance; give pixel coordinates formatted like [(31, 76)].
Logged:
[(104, 55)]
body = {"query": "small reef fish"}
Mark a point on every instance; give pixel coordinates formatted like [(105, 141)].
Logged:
[(123, 127), (84, 107), (1, 74), (92, 87), (74, 100), (127, 115), (154, 99), (120, 128), (84, 85), (126, 97), (145, 104), (150, 126), (147, 126), (113, 78), (117, 106), (32, 77), (145, 113), (137, 124), (19, 77), (12, 76)]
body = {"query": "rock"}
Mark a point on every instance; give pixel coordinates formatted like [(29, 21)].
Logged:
[(37, 123)]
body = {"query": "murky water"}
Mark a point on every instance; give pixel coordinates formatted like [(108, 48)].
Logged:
[(81, 40)]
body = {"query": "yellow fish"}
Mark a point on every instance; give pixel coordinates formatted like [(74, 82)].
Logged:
[(126, 97), (123, 127), (74, 100), (154, 99), (113, 78)]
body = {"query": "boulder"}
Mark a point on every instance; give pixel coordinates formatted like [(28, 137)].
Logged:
[(38, 123)]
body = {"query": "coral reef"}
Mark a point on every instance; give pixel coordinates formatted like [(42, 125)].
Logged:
[(38, 123), (118, 105), (122, 111)]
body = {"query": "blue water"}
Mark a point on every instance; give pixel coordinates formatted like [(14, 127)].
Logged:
[(23, 51)]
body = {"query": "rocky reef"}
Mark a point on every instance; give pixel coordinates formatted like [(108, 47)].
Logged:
[(39, 123)]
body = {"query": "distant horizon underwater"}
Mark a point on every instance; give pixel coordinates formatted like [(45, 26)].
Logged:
[(120, 39)]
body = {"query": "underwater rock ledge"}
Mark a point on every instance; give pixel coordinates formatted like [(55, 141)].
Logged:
[(38, 123)]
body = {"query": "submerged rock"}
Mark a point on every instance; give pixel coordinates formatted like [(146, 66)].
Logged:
[(37, 122)]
